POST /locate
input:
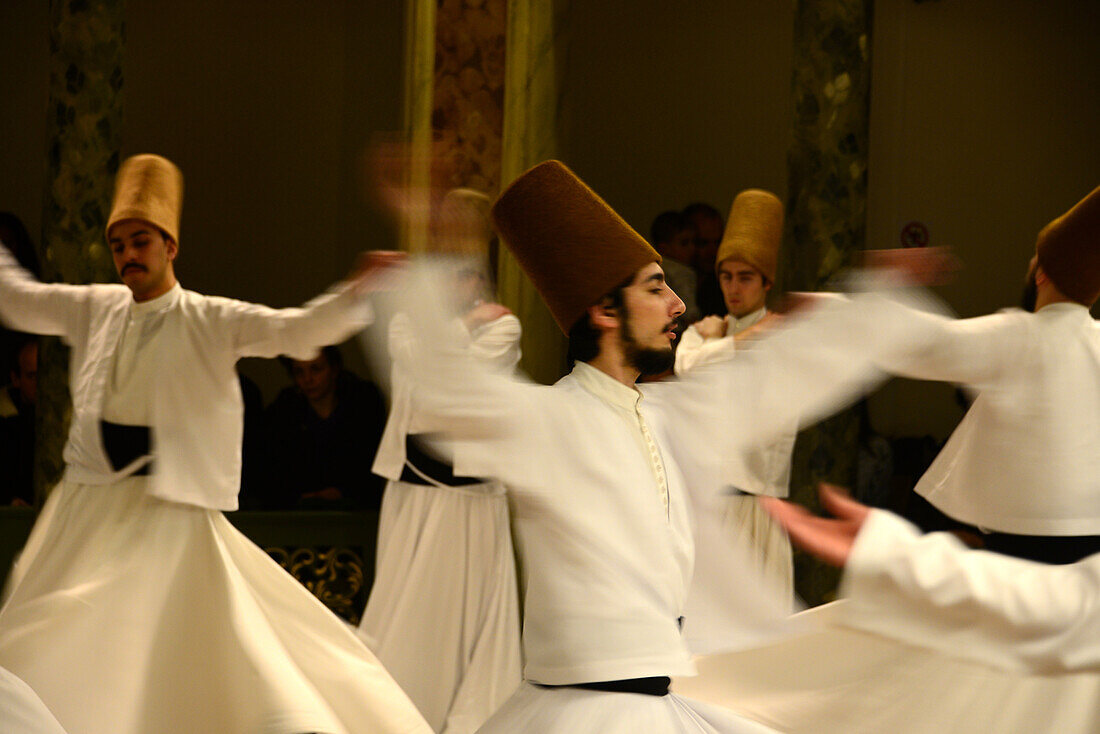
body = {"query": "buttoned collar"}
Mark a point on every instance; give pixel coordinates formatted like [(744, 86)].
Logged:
[(606, 387), (736, 326)]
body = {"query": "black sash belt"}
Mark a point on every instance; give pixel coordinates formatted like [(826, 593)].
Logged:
[(124, 444), (656, 686), (431, 467)]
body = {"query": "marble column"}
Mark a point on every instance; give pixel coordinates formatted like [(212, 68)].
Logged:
[(826, 215), (84, 134), (468, 99)]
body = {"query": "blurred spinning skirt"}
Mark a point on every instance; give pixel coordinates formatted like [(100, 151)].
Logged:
[(443, 615), (539, 710), (836, 679), (128, 614)]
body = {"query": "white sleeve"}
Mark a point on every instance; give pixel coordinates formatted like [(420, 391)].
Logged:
[(932, 591), (496, 344), (39, 308), (261, 331), (695, 351), (964, 351)]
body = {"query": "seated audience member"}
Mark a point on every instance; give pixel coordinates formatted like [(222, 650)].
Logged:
[(673, 237), (17, 401), (708, 226), (323, 433)]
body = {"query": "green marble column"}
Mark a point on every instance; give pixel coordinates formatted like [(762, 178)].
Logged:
[(84, 134), (826, 215)]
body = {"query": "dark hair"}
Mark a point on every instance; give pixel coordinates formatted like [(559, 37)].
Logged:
[(17, 341), (331, 354), (701, 209), (666, 226), (18, 240), (584, 338)]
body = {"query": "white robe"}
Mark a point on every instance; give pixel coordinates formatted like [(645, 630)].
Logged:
[(602, 517), (1026, 457), (21, 711), (129, 613), (769, 466), (443, 614), (932, 637)]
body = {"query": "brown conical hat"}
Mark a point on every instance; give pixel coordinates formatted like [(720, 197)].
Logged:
[(1069, 250), (149, 188), (572, 245), (754, 231)]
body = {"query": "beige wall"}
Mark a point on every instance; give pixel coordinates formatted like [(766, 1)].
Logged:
[(668, 103), (984, 121)]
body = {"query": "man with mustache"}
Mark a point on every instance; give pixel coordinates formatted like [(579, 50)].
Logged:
[(136, 607)]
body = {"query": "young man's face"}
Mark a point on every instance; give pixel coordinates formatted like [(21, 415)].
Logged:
[(649, 314), (743, 287), (143, 257)]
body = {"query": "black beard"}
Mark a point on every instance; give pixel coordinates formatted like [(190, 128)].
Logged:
[(651, 361), (1030, 294), (646, 361)]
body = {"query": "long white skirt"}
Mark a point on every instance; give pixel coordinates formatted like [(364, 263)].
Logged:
[(129, 615), (537, 710), (443, 614), (21, 710), (766, 541), (837, 679)]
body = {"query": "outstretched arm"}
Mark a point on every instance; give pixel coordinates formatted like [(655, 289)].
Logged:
[(34, 307), (932, 591), (260, 331)]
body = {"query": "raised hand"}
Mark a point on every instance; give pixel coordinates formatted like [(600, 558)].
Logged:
[(830, 539)]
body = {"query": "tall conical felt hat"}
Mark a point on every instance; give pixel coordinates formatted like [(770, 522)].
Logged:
[(465, 226), (572, 245), (754, 231), (1069, 250), (150, 188)]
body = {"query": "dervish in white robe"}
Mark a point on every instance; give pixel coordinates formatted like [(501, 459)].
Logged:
[(443, 613), (136, 606), (768, 467), (602, 516)]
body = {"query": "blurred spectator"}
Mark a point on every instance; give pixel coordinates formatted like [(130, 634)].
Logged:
[(322, 435), (708, 226), (673, 236), (17, 403)]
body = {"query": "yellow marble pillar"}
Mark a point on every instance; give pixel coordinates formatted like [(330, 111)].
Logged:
[(826, 216)]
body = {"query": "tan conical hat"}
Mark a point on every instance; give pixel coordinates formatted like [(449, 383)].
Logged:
[(464, 222), (1069, 250), (149, 188), (572, 245), (754, 231)]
